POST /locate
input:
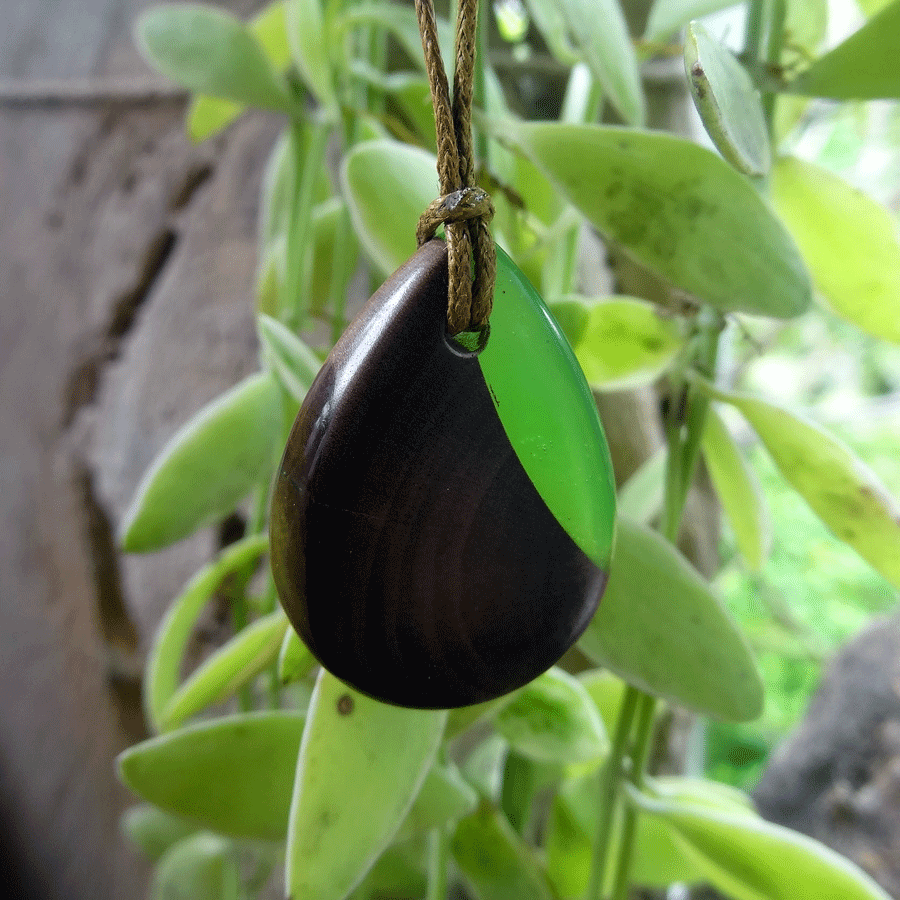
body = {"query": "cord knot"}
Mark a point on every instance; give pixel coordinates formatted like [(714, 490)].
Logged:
[(463, 208), (458, 206)]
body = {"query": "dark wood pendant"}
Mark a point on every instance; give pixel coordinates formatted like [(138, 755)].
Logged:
[(411, 549)]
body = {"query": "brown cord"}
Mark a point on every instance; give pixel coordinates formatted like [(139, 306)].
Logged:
[(463, 209)]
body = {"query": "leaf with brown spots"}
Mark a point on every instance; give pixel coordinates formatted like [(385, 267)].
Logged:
[(839, 487), (676, 207), (361, 765)]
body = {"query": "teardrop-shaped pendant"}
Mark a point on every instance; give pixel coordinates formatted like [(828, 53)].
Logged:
[(442, 522)]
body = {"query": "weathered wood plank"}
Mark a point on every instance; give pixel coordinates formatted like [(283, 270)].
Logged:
[(110, 261)]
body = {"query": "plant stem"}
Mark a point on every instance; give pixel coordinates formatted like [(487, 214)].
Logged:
[(610, 788), (438, 858), (479, 87), (639, 755), (773, 54), (686, 418), (754, 31), (309, 158), (583, 101)]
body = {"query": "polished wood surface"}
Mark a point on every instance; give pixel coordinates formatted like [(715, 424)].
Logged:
[(410, 549)]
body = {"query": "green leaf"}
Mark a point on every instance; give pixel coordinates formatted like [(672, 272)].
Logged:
[(551, 22), (849, 242), (360, 767), (595, 31), (285, 354), (657, 860), (620, 342), (553, 719), (485, 765), (668, 16), (749, 858), (387, 186), (399, 874), (676, 207), (201, 867), (738, 490), (207, 468), (606, 691), (232, 775), (294, 659), (864, 67), (568, 852), (496, 863), (445, 797), (209, 51), (279, 181), (209, 115), (153, 831), (227, 670), (461, 719), (805, 27), (841, 490), (701, 792), (331, 224), (166, 656), (870, 7), (413, 95), (400, 21), (640, 499), (524, 780), (661, 628), (728, 103), (309, 41), (269, 27)]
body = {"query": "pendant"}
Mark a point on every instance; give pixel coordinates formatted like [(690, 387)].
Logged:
[(442, 520)]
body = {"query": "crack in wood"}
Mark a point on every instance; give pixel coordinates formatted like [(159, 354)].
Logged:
[(120, 636), (195, 177), (85, 378)]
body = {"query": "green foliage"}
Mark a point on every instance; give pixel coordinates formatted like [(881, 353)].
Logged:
[(166, 656), (849, 241), (595, 32), (738, 491), (495, 862), (294, 659), (201, 867), (357, 754), (844, 492), (209, 115), (728, 103), (861, 68), (210, 52), (540, 794), (553, 719), (751, 859), (667, 16), (662, 628), (620, 342), (679, 209), (207, 468), (232, 666), (153, 831), (231, 775)]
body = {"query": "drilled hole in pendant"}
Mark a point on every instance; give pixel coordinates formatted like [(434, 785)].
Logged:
[(469, 343)]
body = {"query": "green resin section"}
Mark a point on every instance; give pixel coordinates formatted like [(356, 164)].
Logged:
[(548, 412)]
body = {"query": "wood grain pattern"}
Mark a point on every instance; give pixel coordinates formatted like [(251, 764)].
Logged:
[(409, 547)]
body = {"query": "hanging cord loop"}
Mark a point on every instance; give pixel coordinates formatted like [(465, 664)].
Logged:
[(462, 208)]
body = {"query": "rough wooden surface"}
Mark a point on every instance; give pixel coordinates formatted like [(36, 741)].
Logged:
[(125, 303), (837, 776)]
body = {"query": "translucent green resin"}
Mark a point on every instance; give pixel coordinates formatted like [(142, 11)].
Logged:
[(548, 412)]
